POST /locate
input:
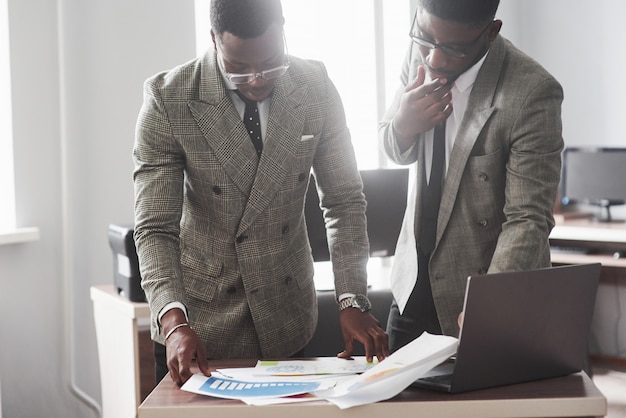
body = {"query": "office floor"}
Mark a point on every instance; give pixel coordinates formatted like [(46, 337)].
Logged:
[(611, 380)]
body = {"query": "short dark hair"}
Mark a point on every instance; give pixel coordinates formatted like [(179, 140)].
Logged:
[(245, 18), (474, 12)]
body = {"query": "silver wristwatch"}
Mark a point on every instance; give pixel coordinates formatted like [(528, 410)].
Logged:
[(361, 302)]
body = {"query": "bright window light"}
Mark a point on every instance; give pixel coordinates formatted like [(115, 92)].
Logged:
[(350, 48), (7, 181)]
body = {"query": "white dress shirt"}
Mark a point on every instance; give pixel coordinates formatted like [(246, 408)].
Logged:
[(460, 95)]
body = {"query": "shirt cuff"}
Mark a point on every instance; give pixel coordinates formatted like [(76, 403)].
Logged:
[(394, 140), (171, 306), (345, 296)]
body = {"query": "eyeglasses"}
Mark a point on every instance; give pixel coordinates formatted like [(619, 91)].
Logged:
[(454, 51), (271, 74)]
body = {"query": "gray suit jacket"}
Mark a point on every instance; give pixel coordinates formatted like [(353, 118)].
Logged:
[(227, 237), (500, 187)]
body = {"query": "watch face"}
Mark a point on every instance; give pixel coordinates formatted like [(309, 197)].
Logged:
[(361, 302)]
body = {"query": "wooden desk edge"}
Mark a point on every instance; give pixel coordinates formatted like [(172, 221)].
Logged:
[(167, 400)]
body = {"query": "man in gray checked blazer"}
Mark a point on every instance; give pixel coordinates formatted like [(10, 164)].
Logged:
[(220, 231), (502, 117)]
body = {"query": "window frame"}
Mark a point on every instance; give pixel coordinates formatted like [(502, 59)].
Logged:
[(9, 232)]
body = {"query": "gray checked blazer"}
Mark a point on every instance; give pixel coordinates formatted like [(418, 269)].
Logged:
[(500, 187), (227, 237)]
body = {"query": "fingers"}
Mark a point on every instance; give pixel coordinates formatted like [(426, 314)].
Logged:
[(377, 344), (349, 347), (438, 105), (420, 89), (381, 341), (419, 80), (363, 327), (203, 363), (438, 98), (177, 367), (423, 105), (181, 348)]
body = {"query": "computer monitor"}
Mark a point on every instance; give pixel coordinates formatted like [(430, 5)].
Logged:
[(385, 191), (594, 176)]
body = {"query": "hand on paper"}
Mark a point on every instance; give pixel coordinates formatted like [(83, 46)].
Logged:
[(182, 347), (363, 327)]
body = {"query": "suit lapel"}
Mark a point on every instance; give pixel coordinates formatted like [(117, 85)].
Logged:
[(283, 136), (222, 127), (479, 110), (218, 120)]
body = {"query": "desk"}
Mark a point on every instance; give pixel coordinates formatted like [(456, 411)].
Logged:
[(601, 240), (570, 396), (588, 232)]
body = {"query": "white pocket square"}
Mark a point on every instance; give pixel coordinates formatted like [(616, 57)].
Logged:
[(307, 137)]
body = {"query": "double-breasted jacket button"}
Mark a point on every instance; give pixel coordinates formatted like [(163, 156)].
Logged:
[(241, 238), (483, 176), (482, 222), (285, 229), (301, 177), (288, 279), (217, 190)]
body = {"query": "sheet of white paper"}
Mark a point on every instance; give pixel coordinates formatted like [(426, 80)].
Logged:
[(248, 374), (314, 366), (307, 397), (380, 382), (238, 389), (394, 374)]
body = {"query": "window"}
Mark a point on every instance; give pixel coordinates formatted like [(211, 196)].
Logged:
[(7, 183), (362, 43), (9, 233)]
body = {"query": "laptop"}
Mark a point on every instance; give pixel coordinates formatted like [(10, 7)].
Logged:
[(520, 326)]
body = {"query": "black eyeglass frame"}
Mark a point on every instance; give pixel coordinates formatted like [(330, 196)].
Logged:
[(448, 50)]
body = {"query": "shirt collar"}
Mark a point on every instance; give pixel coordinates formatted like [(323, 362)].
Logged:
[(467, 79)]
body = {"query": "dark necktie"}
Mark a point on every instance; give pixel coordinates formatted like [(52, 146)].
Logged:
[(431, 196), (252, 122)]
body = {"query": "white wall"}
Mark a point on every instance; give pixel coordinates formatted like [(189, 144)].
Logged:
[(78, 74), (581, 43), (76, 98)]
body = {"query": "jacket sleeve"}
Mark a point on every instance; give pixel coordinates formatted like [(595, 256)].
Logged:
[(158, 179), (343, 203), (386, 137), (532, 178)]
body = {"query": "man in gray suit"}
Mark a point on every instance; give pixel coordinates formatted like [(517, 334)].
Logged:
[(495, 115), (220, 231)]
